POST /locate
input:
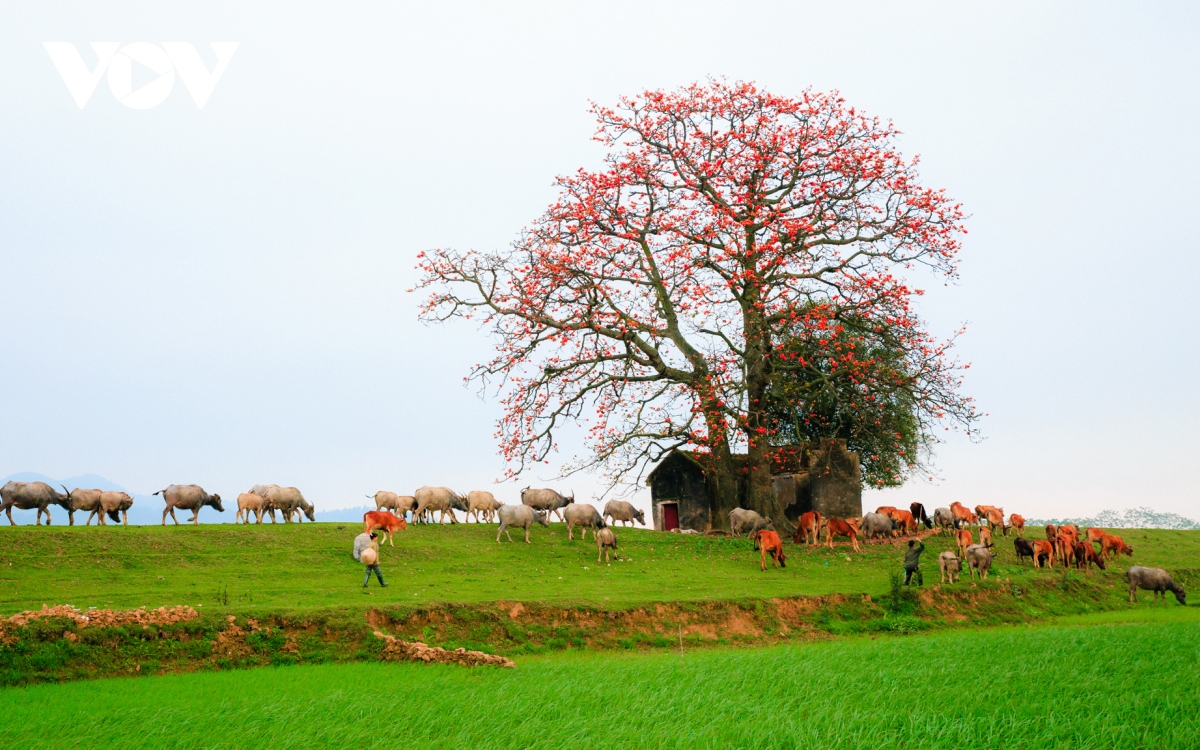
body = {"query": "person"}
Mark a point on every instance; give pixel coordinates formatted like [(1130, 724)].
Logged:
[(912, 563), (370, 558)]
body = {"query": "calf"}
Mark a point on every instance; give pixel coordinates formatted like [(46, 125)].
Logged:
[(962, 540), (1017, 523), (950, 566), (483, 505), (249, 502), (839, 527), (808, 529), (1024, 548), (1112, 544), (605, 540), (769, 543), (1042, 550), (1156, 580), (384, 520)]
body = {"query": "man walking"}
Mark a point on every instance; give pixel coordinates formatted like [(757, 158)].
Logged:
[(912, 563), (370, 558)]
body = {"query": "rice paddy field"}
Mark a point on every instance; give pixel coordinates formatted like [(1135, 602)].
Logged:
[(1088, 684)]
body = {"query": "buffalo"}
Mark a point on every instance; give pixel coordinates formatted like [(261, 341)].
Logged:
[(521, 517), (116, 506), (547, 500), (875, 524), (583, 515), (30, 495), (187, 497), (482, 505), (747, 521), (83, 500), (444, 499), (626, 513), (1153, 579)]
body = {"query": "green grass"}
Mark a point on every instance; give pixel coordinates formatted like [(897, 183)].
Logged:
[(1112, 686), (289, 568)]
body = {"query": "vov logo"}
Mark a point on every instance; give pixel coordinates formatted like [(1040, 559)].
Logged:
[(166, 61)]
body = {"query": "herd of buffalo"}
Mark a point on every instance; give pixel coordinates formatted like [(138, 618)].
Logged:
[(1063, 543)]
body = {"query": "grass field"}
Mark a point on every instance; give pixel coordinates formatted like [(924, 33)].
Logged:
[(1132, 685), (289, 568)]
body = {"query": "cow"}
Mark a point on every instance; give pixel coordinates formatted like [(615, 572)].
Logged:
[(1095, 534), (943, 518), (605, 540), (548, 500), (903, 521), (287, 500), (583, 515), (838, 527), (398, 504), (769, 543), (875, 524), (116, 506), (82, 500), (950, 566), (918, 513), (187, 497), (1051, 533), (1064, 543), (481, 504), (521, 517), (1112, 544), (626, 513), (962, 515), (1024, 549), (1042, 550), (981, 511), (444, 499), (249, 502), (384, 520), (985, 535), (995, 518), (1085, 555), (885, 510), (30, 495), (979, 558), (808, 528), (747, 521), (1017, 523), (962, 540), (1153, 579)]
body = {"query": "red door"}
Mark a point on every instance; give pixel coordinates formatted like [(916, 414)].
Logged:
[(670, 516)]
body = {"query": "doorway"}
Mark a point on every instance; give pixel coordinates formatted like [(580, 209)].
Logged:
[(670, 513)]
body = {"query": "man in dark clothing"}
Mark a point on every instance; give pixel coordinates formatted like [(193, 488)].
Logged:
[(912, 563), (370, 557)]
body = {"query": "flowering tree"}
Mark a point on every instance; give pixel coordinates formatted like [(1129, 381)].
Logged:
[(650, 300)]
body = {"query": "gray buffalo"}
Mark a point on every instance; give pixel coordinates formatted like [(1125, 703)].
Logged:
[(619, 510), (287, 500), (519, 517), (950, 566), (30, 495), (187, 497), (943, 519), (1154, 579), (444, 499), (744, 521), (398, 504), (116, 506), (605, 540), (583, 515), (875, 524), (979, 559), (547, 500), (483, 505), (83, 500)]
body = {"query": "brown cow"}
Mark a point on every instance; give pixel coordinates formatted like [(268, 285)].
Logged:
[(903, 522), (982, 511), (962, 540), (385, 520), (1018, 523), (769, 543), (1064, 543), (995, 517), (808, 529), (985, 536), (838, 527), (1085, 555), (1112, 544), (1042, 549), (1095, 534), (962, 515)]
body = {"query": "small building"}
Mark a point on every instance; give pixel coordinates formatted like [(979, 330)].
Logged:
[(823, 476)]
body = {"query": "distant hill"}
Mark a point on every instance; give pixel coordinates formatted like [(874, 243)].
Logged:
[(1135, 518)]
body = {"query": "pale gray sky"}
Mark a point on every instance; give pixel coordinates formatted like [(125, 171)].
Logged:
[(218, 295)]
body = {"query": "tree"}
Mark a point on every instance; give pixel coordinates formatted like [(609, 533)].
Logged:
[(649, 299), (844, 375)]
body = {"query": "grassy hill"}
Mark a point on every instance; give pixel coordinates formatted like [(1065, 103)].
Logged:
[(294, 567)]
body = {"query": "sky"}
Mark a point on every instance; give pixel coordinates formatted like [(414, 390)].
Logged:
[(217, 295)]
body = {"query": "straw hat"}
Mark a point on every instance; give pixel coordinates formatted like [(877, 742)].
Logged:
[(369, 556)]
